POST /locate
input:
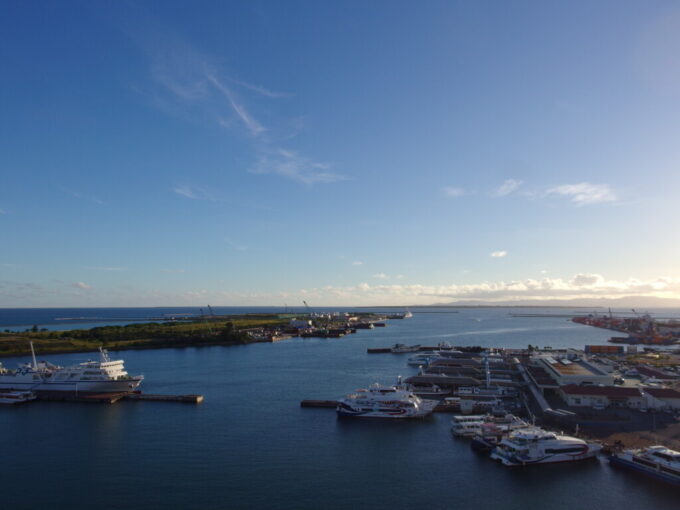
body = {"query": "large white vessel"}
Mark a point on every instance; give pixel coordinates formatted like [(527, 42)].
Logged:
[(656, 461), (537, 446), (94, 377), (384, 402)]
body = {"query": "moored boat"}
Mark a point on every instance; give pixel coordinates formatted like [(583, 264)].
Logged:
[(402, 348), (104, 376), (384, 402), (655, 461), (534, 445)]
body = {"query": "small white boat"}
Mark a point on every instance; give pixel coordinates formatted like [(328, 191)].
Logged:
[(656, 461), (421, 359), (534, 445), (16, 397), (486, 425), (402, 348), (467, 426)]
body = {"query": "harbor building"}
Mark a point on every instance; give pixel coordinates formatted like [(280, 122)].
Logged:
[(564, 371), (601, 397)]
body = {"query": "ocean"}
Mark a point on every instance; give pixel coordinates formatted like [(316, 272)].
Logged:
[(251, 446)]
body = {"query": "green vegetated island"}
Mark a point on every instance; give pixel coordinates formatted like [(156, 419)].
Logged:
[(222, 330)]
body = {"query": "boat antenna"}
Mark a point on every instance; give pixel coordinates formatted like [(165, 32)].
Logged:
[(35, 363)]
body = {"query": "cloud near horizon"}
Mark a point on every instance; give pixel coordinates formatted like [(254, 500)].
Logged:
[(508, 187), (585, 193)]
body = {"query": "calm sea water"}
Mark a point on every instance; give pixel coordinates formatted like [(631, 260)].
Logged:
[(250, 445)]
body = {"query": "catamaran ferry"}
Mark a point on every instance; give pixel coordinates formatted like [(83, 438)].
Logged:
[(95, 377), (656, 461), (385, 402)]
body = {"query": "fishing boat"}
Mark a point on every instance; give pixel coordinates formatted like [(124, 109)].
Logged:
[(656, 461), (384, 402), (533, 445), (102, 376)]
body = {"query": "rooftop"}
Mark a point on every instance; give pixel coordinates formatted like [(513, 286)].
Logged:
[(607, 391)]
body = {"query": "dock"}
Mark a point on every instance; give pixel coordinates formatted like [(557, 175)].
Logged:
[(188, 399), (112, 398)]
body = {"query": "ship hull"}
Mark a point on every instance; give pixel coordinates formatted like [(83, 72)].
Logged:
[(72, 387), (658, 475)]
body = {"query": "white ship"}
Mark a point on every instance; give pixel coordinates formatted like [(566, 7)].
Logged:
[(537, 446), (656, 461), (486, 425), (384, 402), (95, 377)]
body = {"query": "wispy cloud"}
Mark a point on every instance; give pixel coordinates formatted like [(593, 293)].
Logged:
[(192, 83), (236, 246), (193, 192), (357, 263), (95, 268), (82, 285), (381, 276), (293, 166), (82, 196), (498, 254), (253, 125), (173, 271), (259, 89), (453, 192), (585, 193), (508, 187)]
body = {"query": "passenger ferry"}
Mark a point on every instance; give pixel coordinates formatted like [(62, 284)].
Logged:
[(384, 402), (97, 377), (656, 461), (537, 446)]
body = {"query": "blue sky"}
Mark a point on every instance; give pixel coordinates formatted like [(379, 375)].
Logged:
[(172, 153)]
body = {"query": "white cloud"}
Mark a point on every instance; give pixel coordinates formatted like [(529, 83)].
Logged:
[(508, 187), (454, 192), (357, 263), (498, 254), (82, 285), (193, 193), (585, 193), (293, 166), (399, 276), (251, 124), (381, 276), (259, 89)]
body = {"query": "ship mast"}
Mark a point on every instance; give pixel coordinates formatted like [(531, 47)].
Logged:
[(35, 363)]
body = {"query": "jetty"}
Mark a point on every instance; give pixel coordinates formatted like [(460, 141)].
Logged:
[(112, 398)]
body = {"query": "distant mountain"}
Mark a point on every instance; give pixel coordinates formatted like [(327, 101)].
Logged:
[(636, 302)]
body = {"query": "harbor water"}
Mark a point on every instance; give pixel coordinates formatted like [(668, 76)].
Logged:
[(251, 446)]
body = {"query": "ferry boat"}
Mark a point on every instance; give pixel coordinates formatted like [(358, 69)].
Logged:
[(656, 461), (16, 397), (485, 425), (468, 425), (537, 446), (384, 402), (96, 377)]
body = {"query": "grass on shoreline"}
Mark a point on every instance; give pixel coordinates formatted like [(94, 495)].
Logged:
[(219, 331)]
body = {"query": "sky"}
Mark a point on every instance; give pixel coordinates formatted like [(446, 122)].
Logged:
[(342, 153)]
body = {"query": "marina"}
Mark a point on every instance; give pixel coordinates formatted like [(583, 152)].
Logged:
[(266, 376)]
